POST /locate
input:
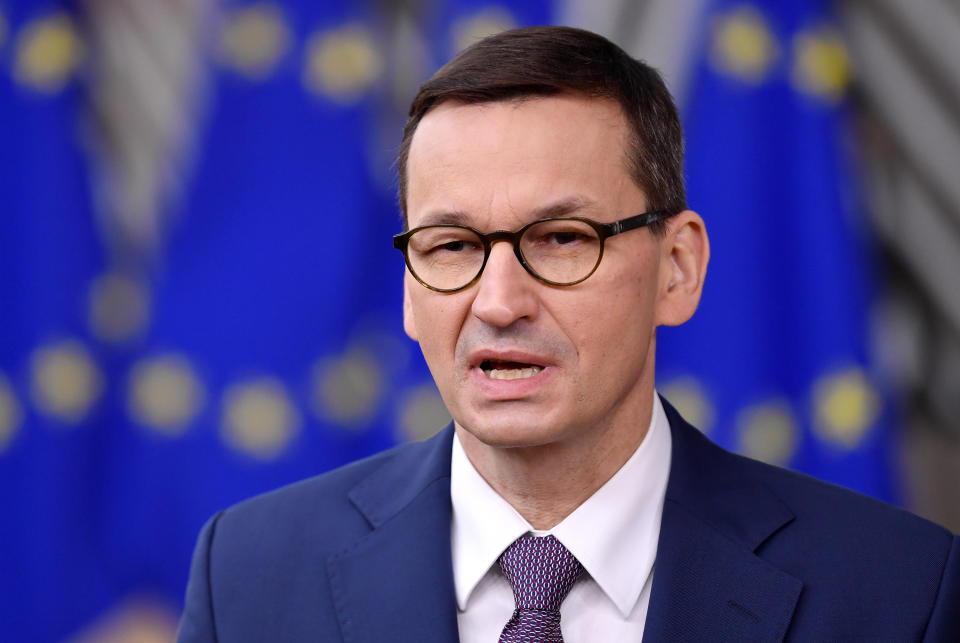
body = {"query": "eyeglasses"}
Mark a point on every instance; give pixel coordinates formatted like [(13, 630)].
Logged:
[(560, 251)]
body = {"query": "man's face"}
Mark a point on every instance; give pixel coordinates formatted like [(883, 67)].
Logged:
[(519, 362)]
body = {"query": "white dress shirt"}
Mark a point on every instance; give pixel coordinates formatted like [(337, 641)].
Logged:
[(613, 534)]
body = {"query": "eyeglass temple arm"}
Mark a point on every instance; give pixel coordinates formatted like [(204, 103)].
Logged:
[(638, 221)]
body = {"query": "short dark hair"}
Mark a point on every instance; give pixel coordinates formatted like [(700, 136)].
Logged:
[(547, 61)]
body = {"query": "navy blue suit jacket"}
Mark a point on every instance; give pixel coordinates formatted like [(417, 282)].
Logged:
[(747, 552)]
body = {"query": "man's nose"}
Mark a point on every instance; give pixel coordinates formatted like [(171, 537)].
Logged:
[(505, 290)]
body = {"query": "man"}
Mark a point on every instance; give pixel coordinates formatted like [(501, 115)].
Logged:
[(547, 238)]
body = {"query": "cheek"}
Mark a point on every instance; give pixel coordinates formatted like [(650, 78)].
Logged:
[(593, 329), (618, 329), (438, 319)]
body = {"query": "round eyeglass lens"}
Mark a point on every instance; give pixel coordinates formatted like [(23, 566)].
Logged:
[(563, 251), (445, 257)]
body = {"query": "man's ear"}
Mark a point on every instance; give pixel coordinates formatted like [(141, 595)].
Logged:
[(409, 325), (684, 254)]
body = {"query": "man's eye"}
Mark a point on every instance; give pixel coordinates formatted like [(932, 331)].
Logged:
[(563, 238), (452, 246)]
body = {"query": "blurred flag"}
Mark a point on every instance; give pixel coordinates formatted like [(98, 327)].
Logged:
[(776, 362), (259, 340), (51, 372), (452, 25), (274, 348)]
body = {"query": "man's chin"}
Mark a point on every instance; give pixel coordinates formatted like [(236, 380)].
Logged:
[(513, 434)]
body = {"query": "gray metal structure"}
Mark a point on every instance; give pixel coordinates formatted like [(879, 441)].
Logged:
[(906, 59)]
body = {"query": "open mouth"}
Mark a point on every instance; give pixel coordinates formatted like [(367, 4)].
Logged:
[(497, 370)]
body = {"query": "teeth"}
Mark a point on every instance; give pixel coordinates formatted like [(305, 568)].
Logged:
[(512, 373)]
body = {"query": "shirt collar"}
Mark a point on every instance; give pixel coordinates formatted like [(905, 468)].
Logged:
[(613, 534), (483, 525)]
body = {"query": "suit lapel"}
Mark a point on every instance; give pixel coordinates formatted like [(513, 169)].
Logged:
[(396, 583), (708, 583)]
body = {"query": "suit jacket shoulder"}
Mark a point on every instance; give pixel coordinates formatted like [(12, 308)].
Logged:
[(319, 559), (770, 554), (746, 552)]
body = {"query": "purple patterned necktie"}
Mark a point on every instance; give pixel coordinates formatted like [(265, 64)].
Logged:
[(541, 572)]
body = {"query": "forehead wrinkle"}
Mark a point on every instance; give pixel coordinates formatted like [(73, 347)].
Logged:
[(525, 165), (563, 207)]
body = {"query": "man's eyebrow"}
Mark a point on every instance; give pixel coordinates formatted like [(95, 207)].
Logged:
[(445, 217), (561, 208)]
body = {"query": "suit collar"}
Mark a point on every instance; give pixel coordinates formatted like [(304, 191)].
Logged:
[(709, 583), (716, 487), (396, 583), (395, 485)]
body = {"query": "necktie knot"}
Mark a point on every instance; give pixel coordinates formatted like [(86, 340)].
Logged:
[(541, 572)]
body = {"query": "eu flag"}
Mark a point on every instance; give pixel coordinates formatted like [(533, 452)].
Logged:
[(776, 362), (51, 376), (269, 345), (272, 316)]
